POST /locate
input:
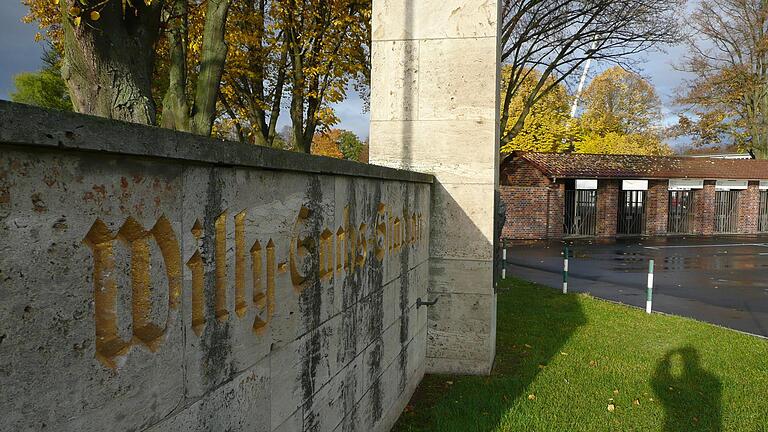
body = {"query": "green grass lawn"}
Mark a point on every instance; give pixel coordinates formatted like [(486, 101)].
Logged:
[(562, 360)]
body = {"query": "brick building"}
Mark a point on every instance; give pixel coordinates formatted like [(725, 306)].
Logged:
[(552, 196)]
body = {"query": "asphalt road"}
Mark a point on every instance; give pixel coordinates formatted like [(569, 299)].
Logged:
[(721, 280)]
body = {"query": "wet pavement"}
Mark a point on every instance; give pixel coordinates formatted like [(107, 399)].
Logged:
[(721, 280)]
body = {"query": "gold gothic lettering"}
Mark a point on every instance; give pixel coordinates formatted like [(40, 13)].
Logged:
[(326, 254), (298, 249), (380, 243), (262, 301), (220, 260), (196, 266), (241, 307), (101, 241), (345, 250)]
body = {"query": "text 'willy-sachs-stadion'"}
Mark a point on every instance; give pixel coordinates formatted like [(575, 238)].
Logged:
[(554, 196)]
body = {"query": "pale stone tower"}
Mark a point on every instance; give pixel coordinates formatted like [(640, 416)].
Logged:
[(434, 109)]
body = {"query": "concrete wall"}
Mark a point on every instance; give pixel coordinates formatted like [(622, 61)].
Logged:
[(434, 108), (159, 281)]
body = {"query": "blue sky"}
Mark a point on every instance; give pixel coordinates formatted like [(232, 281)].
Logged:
[(19, 53)]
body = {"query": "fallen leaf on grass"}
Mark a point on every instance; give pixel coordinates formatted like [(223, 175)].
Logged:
[(564, 353), (527, 346), (449, 382), (531, 397), (611, 407), (636, 402), (615, 391)]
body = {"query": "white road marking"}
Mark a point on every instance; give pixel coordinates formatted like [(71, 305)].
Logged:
[(708, 246)]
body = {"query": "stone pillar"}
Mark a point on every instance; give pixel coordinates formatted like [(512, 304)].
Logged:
[(434, 109)]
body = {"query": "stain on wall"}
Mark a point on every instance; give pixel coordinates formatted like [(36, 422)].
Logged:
[(142, 293)]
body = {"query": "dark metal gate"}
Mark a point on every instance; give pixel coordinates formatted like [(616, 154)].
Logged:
[(763, 215), (680, 219), (726, 211), (631, 212), (580, 212)]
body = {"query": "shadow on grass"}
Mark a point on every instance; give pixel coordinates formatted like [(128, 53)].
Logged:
[(691, 396), (533, 325)]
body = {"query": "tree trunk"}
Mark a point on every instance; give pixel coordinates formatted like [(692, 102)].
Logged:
[(175, 106), (212, 58), (108, 63), (297, 99)]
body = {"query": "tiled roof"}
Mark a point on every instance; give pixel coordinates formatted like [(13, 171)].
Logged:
[(575, 165)]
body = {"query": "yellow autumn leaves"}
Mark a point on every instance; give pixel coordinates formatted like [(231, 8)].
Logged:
[(77, 12), (621, 115)]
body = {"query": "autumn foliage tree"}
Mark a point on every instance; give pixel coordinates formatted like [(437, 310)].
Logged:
[(214, 65), (337, 143), (111, 54), (556, 38), (327, 44), (548, 127), (622, 115), (727, 97)]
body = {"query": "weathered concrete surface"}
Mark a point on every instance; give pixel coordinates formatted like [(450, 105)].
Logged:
[(434, 109), (152, 286)]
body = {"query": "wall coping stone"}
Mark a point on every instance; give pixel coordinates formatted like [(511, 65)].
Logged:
[(32, 126)]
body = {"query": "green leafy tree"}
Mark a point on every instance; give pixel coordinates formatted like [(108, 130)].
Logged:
[(44, 88), (350, 145)]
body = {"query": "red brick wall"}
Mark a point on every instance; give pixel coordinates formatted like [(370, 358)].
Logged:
[(556, 210), (657, 207), (526, 210), (535, 205), (704, 207), (607, 206), (749, 207), (520, 172)]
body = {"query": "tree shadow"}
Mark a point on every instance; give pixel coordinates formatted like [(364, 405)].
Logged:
[(534, 324), (691, 396)]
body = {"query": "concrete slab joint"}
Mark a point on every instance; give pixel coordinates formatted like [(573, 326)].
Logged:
[(159, 281), (142, 292)]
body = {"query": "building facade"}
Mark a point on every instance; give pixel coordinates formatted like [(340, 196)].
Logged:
[(554, 196)]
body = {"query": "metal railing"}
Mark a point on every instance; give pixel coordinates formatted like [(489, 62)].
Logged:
[(680, 215), (762, 225), (631, 219), (726, 211), (580, 213)]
